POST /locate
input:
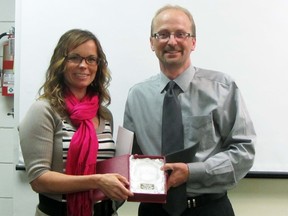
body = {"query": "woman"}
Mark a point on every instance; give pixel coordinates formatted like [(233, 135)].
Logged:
[(68, 127)]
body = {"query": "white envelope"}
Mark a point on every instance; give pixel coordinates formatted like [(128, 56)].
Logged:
[(124, 141)]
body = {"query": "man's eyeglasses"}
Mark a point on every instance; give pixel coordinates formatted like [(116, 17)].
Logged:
[(77, 59), (164, 36)]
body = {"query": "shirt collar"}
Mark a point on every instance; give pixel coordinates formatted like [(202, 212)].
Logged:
[(182, 80)]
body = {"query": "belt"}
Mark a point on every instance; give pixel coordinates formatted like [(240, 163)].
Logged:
[(193, 202), (56, 208), (52, 207)]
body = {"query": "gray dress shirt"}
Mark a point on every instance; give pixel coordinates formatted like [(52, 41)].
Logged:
[(214, 117)]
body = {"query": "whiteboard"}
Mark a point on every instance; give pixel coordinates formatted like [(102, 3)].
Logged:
[(246, 39)]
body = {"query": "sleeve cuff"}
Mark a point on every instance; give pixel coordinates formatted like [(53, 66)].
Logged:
[(196, 171)]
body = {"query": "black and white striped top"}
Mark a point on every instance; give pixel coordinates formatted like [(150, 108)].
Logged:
[(106, 148)]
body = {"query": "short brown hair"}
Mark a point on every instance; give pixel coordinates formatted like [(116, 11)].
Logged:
[(175, 7)]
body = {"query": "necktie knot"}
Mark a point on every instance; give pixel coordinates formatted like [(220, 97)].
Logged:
[(171, 85), (172, 89)]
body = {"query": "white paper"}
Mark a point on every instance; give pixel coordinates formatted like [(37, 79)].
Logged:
[(124, 141)]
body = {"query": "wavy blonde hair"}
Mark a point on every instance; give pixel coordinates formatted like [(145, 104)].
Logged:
[(54, 86)]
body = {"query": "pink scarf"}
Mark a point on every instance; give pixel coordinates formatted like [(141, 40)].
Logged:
[(82, 153)]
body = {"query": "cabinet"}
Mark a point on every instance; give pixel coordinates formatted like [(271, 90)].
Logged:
[(8, 135), (16, 196), (6, 112)]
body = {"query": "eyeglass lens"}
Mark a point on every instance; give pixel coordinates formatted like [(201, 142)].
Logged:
[(77, 59)]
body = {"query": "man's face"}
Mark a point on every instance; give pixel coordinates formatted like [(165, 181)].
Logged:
[(173, 50)]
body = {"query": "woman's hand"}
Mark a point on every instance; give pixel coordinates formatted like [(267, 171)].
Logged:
[(114, 186)]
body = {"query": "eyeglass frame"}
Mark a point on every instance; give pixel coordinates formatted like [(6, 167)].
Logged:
[(157, 34), (80, 59)]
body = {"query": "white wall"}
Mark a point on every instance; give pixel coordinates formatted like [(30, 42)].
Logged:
[(245, 39)]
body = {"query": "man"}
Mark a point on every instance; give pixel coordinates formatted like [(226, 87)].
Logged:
[(215, 121)]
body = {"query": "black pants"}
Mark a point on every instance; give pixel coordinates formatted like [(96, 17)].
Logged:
[(54, 208), (219, 207)]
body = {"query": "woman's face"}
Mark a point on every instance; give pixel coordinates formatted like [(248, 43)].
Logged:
[(81, 68)]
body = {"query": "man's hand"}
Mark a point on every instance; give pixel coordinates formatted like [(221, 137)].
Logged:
[(179, 174)]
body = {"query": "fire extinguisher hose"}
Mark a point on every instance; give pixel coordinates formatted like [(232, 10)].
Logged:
[(4, 34)]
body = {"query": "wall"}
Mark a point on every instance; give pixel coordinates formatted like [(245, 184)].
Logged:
[(245, 39), (251, 197), (7, 123), (260, 197)]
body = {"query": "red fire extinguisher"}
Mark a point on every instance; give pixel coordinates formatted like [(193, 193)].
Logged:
[(7, 78)]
